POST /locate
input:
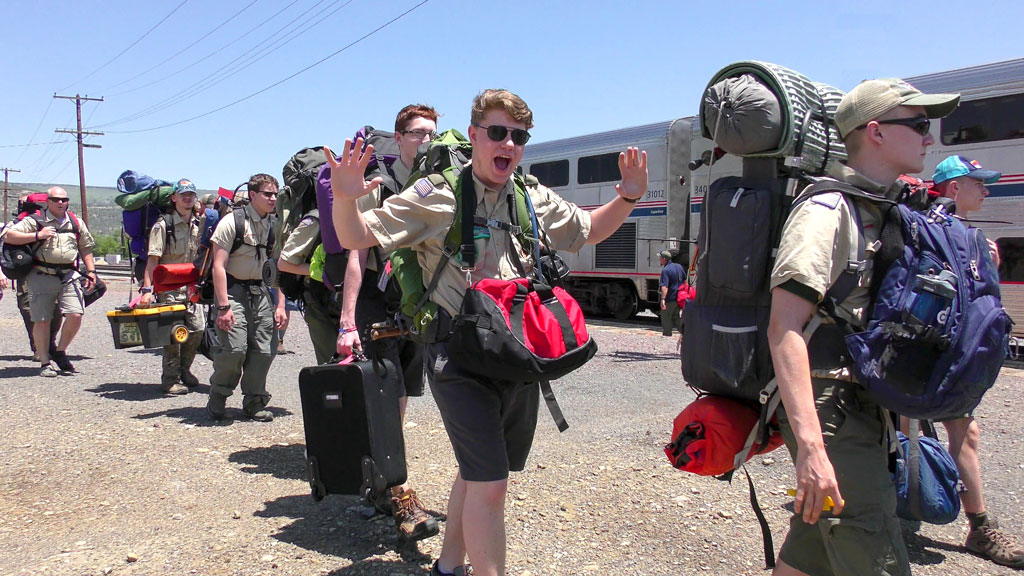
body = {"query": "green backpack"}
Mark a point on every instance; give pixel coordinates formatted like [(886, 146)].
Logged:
[(441, 161)]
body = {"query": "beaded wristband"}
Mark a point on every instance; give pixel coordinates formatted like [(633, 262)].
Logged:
[(347, 330)]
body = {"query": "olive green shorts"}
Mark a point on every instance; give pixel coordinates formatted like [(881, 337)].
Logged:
[(865, 539)]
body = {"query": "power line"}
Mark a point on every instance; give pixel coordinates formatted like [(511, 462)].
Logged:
[(283, 80), (179, 52), (189, 92), (34, 132), (244, 35), (34, 144), (121, 53)]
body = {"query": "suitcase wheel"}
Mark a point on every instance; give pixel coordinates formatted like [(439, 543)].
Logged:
[(373, 482), (317, 490)]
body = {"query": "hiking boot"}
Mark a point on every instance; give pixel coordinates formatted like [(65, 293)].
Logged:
[(175, 389), (464, 570), (990, 542), (189, 380), (259, 416), (63, 363), (413, 522), (47, 371), (216, 406)]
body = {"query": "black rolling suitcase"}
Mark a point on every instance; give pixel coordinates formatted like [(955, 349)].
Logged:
[(354, 442)]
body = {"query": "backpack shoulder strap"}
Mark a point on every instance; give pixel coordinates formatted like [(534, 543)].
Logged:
[(239, 215)]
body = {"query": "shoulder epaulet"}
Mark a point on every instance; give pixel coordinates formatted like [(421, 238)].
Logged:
[(829, 199)]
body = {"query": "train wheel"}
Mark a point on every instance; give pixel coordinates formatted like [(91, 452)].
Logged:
[(179, 333), (625, 307)]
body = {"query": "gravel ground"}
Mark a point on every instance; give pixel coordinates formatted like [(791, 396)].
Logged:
[(101, 474)]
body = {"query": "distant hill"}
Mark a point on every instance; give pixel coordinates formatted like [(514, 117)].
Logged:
[(104, 213)]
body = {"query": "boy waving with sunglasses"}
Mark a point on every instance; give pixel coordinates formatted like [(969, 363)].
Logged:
[(61, 240), (490, 422)]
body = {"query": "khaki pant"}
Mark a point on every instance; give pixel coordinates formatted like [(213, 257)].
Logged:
[(670, 317), (26, 317), (865, 539), (245, 353), (323, 317), (178, 358)]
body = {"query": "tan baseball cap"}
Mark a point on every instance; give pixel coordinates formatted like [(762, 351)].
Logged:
[(872, 98)]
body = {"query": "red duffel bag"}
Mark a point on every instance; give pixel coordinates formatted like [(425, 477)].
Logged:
[(520, 330), (168, 277), (709, 433)]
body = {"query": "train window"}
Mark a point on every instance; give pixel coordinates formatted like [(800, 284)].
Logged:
[(551, 174), (987, 120), (1011, 259), (599, 168)]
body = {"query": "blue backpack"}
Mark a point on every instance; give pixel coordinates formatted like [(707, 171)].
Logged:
[(938, 333), (927, 481)]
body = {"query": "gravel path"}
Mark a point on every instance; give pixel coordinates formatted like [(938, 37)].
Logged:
[(101, 474)]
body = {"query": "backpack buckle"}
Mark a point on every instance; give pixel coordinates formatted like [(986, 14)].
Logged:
[(516, 230)]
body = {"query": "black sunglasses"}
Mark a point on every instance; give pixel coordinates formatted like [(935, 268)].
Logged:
[(919, 124), (61, 200), (498, 133)]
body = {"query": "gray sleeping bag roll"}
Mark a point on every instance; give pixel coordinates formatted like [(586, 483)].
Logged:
[(743, 114)]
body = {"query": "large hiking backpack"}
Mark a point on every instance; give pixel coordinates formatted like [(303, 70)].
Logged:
[(441, 161), (144, 201), (938, 332), (17, 261), (295, 201), (385, 154)]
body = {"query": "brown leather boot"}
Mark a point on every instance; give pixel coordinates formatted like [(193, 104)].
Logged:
[(411, 520)]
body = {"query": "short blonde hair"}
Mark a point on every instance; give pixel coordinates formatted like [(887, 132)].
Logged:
[(505, 100)]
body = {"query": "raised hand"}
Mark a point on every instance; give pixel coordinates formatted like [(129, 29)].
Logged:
[(633, 167), (347, 171)]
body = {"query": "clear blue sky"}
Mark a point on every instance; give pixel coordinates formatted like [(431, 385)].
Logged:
[(581, 66)]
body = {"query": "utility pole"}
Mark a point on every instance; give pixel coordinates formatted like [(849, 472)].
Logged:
[(6, 170), (81, 159)]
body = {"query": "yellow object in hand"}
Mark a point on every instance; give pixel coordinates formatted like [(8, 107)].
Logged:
[(827, 506)]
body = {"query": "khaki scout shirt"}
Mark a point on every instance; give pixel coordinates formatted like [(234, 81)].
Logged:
[(820, 237), (816, 242), (62, 248), (183, 243), (422, 220), (246, 263), (299, 246)]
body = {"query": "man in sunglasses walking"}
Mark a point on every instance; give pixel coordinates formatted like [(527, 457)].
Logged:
[(835, 432), (490, 421), (247, 317), (61, 240)]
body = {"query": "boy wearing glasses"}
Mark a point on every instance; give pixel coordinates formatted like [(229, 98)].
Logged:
[(61, 240), (247, 318), (834, 431), (490, 422), (174, 239), (335, 328)]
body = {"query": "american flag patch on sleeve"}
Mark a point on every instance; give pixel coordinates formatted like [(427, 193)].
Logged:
[(423, 187)]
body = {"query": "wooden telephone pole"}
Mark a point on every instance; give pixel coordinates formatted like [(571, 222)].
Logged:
[(6, 170), (79, 133)]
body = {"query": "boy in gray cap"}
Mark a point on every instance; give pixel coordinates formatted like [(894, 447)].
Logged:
[(834, 431)]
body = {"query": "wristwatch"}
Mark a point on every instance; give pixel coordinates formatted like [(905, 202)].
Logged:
[(224, 307), (146, 290)]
